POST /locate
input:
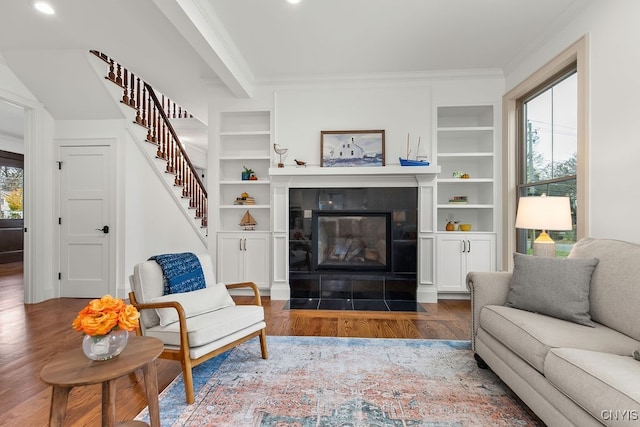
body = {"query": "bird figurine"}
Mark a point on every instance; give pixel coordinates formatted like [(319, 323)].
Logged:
[(300, 162), (280, 151)]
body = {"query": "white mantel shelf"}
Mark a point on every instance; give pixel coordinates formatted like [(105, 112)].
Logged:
[(355, 171)]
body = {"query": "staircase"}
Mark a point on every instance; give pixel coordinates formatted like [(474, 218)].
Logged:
[(152, 112)]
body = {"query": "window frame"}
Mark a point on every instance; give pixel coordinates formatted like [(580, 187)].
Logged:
[(576, 54)]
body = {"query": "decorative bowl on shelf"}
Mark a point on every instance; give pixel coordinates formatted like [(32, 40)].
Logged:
[(465, 227)]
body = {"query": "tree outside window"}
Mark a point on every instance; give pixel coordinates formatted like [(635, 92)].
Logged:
[(11, 192)]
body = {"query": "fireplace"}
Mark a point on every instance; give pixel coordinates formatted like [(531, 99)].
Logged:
[(351, 240), (353, 248)]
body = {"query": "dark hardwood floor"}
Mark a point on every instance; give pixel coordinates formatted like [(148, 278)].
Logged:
[(30, 334)]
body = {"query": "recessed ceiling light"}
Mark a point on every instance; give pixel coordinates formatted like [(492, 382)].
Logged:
[(294, 1), (44, 7)]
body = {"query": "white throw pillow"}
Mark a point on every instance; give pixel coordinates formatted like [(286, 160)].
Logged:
[(194, 303)]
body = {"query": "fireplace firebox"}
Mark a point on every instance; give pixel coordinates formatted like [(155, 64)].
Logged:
[(351, 240)]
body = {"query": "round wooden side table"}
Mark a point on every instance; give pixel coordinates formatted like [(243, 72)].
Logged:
[(72, 368)]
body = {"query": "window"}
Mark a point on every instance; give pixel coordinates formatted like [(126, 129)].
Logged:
[(571, 61), (548, 151), (11, 187)]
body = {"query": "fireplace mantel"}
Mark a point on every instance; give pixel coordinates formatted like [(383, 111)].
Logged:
[(393, 170), (422, 177)]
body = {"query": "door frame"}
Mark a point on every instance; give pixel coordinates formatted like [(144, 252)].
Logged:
[(34, 123), (113, 217)]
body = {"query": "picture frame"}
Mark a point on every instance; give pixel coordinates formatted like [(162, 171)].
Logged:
[(352, 148)]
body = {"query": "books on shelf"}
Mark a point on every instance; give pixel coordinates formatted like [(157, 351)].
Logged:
[(458, 200), (244, 201)]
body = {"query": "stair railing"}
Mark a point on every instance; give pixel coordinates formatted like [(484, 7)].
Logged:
[(153, 114)]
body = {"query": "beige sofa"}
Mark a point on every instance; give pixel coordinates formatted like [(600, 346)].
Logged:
[(569, 374)]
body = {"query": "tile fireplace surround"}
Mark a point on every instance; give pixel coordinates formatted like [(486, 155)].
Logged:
[(347, 289)]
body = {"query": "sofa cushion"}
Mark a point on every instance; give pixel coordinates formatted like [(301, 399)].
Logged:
[(615, 285), (194, 303), (209, 327), (553, 286), (532, 335), (605, 385)]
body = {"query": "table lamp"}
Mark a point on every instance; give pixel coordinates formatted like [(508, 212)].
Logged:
[(399, 217), (544, 213)]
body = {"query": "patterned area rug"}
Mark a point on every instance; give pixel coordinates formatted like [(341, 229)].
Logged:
[(310, 381)]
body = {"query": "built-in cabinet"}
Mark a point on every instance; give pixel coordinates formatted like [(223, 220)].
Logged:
[(466, 193), (245, 139), (459, 253), (244, 257)]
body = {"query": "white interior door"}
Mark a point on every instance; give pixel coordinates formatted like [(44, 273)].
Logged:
[(85, 238)]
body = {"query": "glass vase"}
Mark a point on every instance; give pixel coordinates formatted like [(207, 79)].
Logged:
[(104, 347)]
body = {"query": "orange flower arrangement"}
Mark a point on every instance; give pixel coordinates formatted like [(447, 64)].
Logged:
[(106, 314)]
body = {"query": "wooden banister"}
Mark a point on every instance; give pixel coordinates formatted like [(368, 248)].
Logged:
[(153, 114), (173, 133)]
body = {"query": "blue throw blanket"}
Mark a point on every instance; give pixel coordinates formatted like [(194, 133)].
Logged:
[(182, 272)]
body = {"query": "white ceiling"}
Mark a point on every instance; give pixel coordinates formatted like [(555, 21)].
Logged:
[(323, 38), (183, 47)]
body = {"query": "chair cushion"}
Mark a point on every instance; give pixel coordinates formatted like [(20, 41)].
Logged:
[(194, 303), (603, 384), (553, 286), (211, 326), (532, 335), (147, 283)]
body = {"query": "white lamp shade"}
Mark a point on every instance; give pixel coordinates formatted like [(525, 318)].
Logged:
[(544, 213), (399, 216)]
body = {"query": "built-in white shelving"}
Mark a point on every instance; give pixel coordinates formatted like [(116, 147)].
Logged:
[(465, 138), (245, 141), (466, 143)]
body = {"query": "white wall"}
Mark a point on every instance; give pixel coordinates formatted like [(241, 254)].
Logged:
[(154, 223), (614, 72), (302, 113), (12, 145)]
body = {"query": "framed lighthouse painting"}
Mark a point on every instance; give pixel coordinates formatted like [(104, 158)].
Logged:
[(351, 148)]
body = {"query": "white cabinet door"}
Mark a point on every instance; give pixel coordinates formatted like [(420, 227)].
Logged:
[(256, 251), (481, 252), (230, 258), (460, 253), (244, 257), (450, 264)]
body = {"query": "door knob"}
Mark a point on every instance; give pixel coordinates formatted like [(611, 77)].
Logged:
[(104, 229)]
